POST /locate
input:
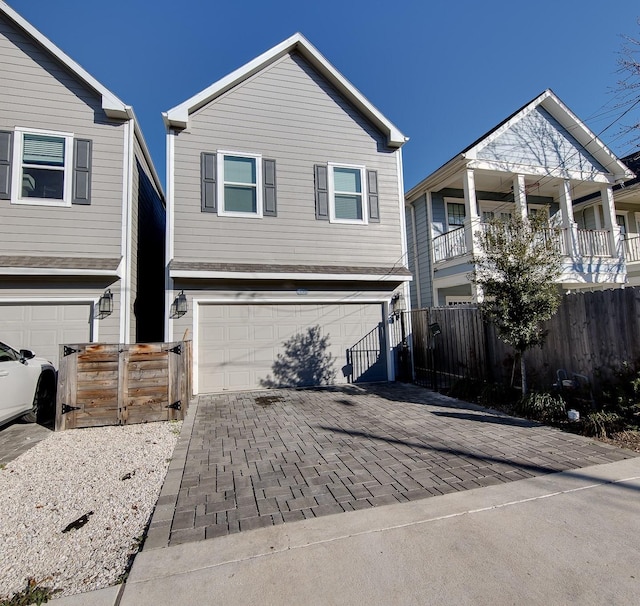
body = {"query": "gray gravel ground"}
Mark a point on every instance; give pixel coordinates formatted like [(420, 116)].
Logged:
[(114, 472)]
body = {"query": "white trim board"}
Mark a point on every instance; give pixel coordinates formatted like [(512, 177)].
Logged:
[(245, 275)]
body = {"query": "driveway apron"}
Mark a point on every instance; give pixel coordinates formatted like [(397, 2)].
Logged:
[(254, 459)]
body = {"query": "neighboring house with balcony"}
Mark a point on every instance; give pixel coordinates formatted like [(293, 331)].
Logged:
[(589, 215), (539, 160), (81, 207), (285, 231)]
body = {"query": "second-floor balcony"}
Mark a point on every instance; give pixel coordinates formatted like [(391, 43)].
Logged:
[(583, 243), (632, 249)]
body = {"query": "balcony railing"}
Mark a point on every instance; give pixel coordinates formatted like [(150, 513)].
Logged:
[(594, 243), (632, 249), (590, 243), (449, 245)]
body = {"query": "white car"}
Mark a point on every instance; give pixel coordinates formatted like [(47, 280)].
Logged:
[(27, 385)]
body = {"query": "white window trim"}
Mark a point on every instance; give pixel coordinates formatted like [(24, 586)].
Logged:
[(16, 168), (492, 206), (332, 205), (453, 226), (220, 183)]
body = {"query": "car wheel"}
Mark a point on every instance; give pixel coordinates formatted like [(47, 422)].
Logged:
[(42, 401)]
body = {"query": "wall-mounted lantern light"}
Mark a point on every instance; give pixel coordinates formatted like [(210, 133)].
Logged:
[(179, 306), (105, 304)]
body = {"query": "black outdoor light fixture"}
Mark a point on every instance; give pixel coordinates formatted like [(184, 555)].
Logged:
[(105, 304), (179, 305)]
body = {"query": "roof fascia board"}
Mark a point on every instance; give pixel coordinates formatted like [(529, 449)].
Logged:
[(178, 117), (437, 179), (112, 106)]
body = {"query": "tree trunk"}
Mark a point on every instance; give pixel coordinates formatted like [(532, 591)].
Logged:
[(523, 372)]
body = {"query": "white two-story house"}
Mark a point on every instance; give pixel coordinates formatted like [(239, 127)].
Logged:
[(541, 159)]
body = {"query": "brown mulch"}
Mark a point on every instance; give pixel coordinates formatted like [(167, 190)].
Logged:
[(625, 439)]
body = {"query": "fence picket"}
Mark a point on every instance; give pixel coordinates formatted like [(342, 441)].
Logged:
[(592, 334)]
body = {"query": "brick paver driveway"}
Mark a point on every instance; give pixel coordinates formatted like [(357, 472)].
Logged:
[(261, 458)]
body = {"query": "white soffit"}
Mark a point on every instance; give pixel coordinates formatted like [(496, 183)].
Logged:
[(178, 117)]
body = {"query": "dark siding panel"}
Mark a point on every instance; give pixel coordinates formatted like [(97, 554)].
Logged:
[(149, 303), (6, 140), (322, 192), (269, 178), (372, 194), (82, 149), (208, 177)]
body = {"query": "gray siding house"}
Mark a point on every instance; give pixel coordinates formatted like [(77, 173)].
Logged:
[(541, 159), (76, 185), (285, 226)]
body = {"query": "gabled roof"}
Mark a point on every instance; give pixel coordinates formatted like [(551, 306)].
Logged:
[(178, 117), (113, 107), (550, 102)]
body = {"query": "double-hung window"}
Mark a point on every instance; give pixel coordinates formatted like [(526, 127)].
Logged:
[(239, 184), (42, 167), (455, 214), (347, 194)]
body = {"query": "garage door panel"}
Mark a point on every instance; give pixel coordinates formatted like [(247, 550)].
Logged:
[(43, 327), (238, 344)]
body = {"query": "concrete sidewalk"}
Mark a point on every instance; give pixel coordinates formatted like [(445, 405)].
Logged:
[(564, 538)]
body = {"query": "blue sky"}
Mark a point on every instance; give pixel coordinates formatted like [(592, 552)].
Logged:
[(444, 72)]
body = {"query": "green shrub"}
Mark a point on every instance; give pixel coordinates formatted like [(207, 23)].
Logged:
[(542, 406), (33, 593), (602, 424)]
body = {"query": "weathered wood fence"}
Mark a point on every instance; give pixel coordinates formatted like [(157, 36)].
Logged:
[(115, 384), (592, 334)]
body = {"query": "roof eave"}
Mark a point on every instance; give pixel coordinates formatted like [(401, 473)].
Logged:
[(442, 174)]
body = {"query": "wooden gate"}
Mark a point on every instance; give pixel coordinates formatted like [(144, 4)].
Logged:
[(104, 384)]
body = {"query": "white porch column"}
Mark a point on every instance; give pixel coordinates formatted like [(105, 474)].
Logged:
[(610, 223), (568, 222), (472, 220), (520, 196)]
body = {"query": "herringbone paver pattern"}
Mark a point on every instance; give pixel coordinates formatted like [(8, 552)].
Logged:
[(262, 458)]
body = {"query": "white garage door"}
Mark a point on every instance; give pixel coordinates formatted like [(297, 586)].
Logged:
[(256, 346), (43, 327)]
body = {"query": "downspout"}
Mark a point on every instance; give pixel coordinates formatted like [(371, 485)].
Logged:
[(416, 257), (127, 193), (169, 246)]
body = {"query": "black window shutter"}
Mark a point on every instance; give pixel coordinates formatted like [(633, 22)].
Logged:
[(269, 197), (372, 195), (81, 171), (322, 192), (6, 140), (208, 178)]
